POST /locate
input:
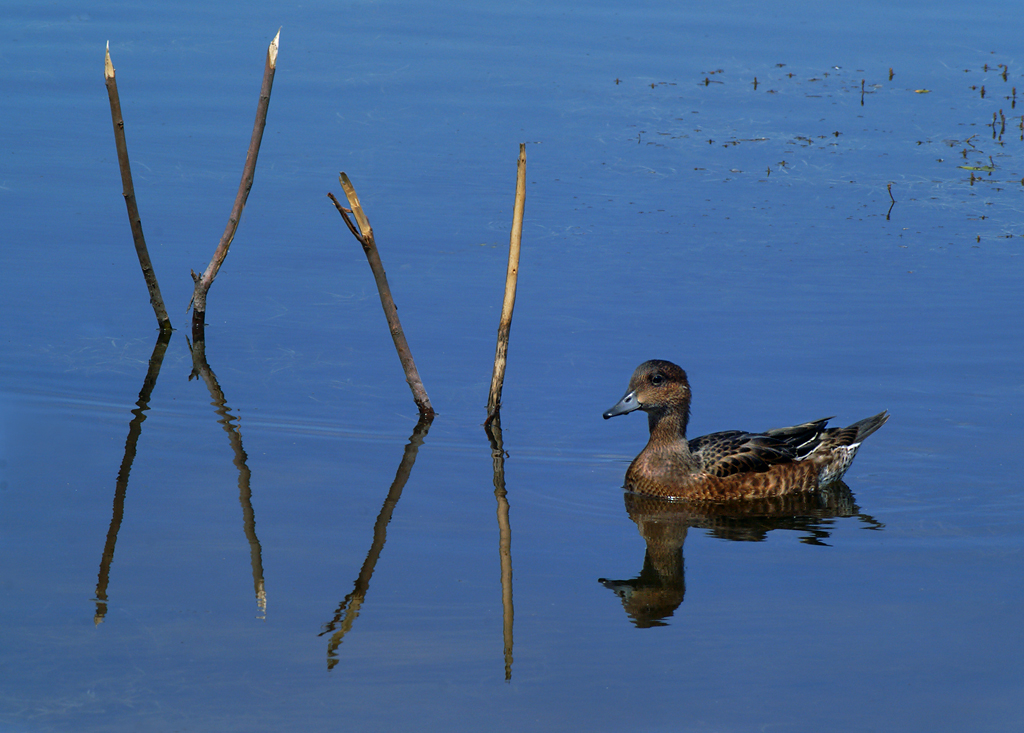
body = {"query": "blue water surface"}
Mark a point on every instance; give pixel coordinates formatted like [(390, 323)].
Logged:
[(815, 210)]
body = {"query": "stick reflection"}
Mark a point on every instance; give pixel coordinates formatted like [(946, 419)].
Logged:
[(348, 609), (121, 487), (202, 370), (493, 428)]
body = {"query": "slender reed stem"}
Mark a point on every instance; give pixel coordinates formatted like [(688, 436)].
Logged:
[(505, 325)]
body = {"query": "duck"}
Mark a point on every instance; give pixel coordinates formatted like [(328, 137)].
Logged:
[(730, 465)]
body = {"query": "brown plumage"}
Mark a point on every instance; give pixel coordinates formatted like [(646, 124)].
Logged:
[(732, 464)]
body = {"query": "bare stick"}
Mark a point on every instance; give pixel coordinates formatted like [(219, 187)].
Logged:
[(515, 239), (128, 189), (365, 236), (202, 284)]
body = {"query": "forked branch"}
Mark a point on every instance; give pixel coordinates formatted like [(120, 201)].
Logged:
[(364, 233)]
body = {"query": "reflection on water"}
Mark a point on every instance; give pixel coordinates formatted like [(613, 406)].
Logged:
[(121, 487), (348, 610), (743, 224), (202, 370), (493, 429), (658, 590)]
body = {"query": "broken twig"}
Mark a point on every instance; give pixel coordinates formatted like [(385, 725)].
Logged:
[(364, 233), (128, 189), (203, 283)]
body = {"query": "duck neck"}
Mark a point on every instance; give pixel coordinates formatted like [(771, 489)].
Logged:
[(667, 458), (668, 428)]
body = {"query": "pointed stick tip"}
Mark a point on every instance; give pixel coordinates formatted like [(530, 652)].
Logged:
[(108, 65), (272, 51)]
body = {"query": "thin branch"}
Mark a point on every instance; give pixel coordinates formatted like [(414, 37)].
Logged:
[(365, 237), (203, 283), (348, 222), (128, 189), (505, 325)]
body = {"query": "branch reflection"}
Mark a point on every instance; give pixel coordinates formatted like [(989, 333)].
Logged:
[(201, 370), (493, 428), (348, 609), (121, 487), (657, 592)]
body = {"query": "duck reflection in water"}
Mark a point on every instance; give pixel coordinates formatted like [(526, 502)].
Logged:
[(654, 595), (737, 484)]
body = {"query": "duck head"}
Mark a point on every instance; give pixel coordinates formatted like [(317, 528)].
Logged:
[(660, 389)]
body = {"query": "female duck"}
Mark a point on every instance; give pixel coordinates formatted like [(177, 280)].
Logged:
[(733, 464)]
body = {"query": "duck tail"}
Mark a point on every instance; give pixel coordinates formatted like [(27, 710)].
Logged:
[(869, 425), (840, 445)]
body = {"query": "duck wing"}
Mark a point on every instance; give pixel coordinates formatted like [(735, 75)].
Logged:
[(734, 451), (803, 438)]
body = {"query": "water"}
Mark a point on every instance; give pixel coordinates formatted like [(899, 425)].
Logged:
[(270, 572)]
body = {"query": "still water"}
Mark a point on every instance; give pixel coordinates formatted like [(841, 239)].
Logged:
[(279, 547)]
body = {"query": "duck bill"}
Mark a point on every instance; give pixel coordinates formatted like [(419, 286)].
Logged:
[(626, 404)]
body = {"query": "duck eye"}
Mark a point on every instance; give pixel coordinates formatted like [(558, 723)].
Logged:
[(657, 379)]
